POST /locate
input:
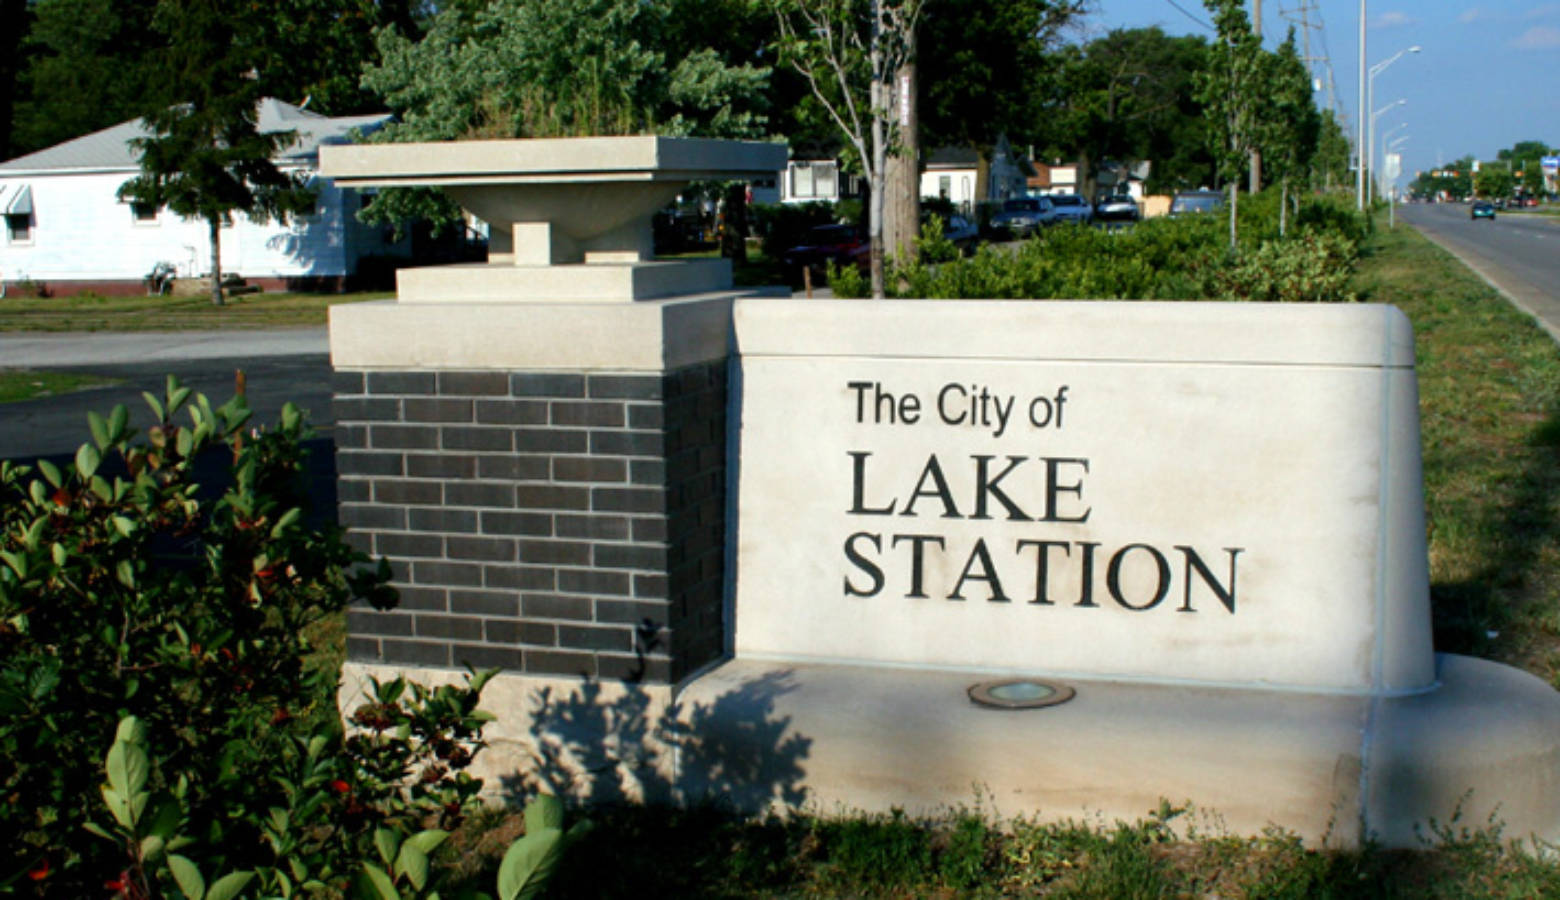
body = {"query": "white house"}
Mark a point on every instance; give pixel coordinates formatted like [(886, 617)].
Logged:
[(66, 228), (965, 177)]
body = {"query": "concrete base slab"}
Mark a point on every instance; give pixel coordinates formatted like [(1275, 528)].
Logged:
[(582, 282), (774, 736)]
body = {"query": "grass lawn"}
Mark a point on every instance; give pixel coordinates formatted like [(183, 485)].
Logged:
[(22, 384), (91, 312)]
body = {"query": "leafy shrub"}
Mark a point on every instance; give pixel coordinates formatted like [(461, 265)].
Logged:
[(137, 603), (1311, 268), (782, 226)]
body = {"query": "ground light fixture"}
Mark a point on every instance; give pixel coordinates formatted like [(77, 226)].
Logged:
[(1020, 693)]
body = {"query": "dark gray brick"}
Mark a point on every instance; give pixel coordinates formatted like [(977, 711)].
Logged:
[(646, 416), (512, 631), (479, 493), (416, 653), (601, 528), (512, 412), (401, 383), (361, 541), (551, 496), (517, 523), (557, 662), (578, 637), (651, 587), (469, 384), (357, 515), (546, 384), (403, 437), (448, 573), (510, 467), (423, 599), (588, 413), (476, 437), (407, 544), (624, 387), (441, 465), (362, 649), (483, 656), (520, 578), (482, 549), (586, 581), (348, 436), (629, 556), (555, 606), (368, 622), (504, 604), (439, 409), (629, 500), (589, 468), (443, 519), (627, 443), (366, 409), (353, 490), (342, 383), (649, 529), (457, 628), (408, 492), (556, 553), (358, 463), (649, 670), (649, 472), (551, 440), (630, 612)]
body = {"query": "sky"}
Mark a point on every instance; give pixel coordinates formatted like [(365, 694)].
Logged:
[(1487, 74)]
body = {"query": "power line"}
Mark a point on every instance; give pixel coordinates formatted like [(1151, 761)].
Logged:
[(1190, 16)]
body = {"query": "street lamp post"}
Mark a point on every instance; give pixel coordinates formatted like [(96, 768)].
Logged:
[(1392, 195), (1380, 157), (1370, 99), (1359, 127), (1376, 115)]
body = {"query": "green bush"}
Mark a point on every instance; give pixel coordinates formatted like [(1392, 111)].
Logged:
[(781, 226), (137, 603), (1313, 267)]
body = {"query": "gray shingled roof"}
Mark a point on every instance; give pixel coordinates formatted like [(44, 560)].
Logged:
[(110, 148)]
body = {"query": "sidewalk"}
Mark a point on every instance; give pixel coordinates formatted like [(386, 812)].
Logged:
[(31, 350)]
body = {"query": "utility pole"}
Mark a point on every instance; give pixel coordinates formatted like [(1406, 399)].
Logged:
[(902, 183), (1359, 137)]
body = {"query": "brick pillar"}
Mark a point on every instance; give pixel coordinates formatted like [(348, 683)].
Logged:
[(545, 522)]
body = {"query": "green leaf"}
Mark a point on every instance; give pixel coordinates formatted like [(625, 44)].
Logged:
[(544, 811), (188, 877), (152, 847), (228, 886), (176, 395), (125, 573), (118, 806), (51, 472), (385, 843), (87, 460), (99, 830), (118, 421), (57, 553), (185, 442), (127, 768), (124, 525), (427, 841), (412, 863), (16, 561), (286, 521), (99, 429), (527, 864), (157, 408), (378, 887)]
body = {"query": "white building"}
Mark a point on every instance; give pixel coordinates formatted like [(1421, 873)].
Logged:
[(67, 229), (968, 178)]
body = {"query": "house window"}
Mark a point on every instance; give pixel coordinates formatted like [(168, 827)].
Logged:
[(19, 227), (144, 213), (815, 181), (945, 186)]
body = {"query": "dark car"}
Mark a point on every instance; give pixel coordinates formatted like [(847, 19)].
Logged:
[(843, 245), (1482, 210), (1023, 216), (1072, 208), (962, 233), (1116, 208), (1188, 202)]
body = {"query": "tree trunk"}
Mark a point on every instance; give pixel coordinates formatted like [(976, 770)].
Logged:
[(1283, 206), (733, 238), (902, 200), (876, 167), (1234, 208), (214, 226)]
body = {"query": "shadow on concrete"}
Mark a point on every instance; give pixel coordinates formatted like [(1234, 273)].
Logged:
[(620, 743)]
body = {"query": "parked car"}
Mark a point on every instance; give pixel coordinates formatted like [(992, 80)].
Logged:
[(842, 245), (1072, 208), (1188, 202), (1482, 210), (962, 233), (1023, 216), (1116, 208)]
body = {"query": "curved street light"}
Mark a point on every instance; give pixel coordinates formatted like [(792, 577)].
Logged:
[(1372, 132), (1370, 100), (1381, 157)]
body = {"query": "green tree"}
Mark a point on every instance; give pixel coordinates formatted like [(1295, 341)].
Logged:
[(1288, 130), (1330, 166), (1494, 180), (205, 156), (1231, 91), (15, 21)]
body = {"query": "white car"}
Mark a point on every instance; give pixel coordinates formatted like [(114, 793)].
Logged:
[(1072, 208)]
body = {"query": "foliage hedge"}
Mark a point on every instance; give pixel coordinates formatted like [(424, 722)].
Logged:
[(1159, 259)]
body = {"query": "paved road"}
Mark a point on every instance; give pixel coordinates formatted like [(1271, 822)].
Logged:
[(1518, 253), (279, 366)]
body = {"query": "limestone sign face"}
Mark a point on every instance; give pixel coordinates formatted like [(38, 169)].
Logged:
[(1185, 515)]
